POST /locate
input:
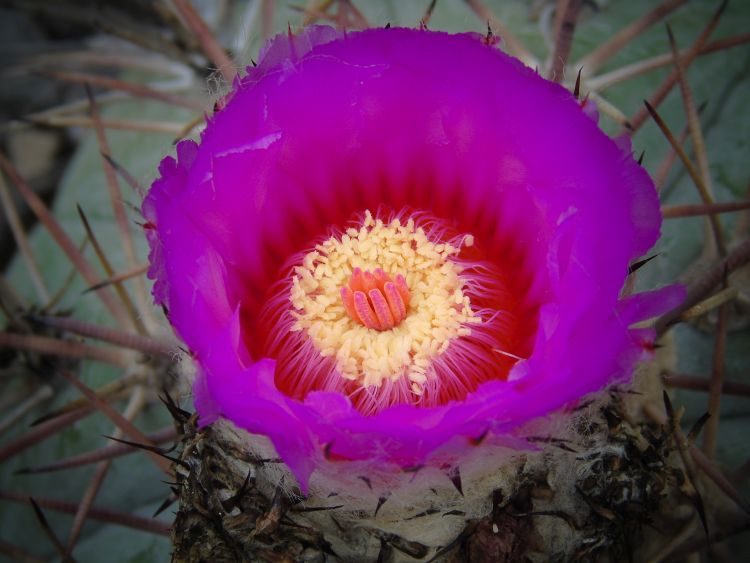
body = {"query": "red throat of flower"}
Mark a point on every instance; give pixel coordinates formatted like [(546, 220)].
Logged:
[(394, 310)]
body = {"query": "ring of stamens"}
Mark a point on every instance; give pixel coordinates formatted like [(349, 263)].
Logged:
[(382, 301)]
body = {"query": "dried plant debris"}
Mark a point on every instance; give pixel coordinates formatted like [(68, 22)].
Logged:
[(626, 484)]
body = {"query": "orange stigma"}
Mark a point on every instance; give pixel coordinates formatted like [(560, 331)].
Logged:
[(375, 300)]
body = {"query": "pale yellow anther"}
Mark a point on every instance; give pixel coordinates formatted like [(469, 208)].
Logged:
[(383, 300)]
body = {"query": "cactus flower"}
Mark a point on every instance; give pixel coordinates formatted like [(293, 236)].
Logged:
[(392, 245)]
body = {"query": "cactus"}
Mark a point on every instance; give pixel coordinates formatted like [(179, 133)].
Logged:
[(605, 473)]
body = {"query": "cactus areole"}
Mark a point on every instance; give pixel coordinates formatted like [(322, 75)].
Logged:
[(393, 245)]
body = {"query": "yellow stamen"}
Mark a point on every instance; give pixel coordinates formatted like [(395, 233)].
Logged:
[(383, 300)]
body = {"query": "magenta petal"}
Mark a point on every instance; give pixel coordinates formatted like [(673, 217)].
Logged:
[(329, 125), (285, 49), (650, 304), (246, 395)]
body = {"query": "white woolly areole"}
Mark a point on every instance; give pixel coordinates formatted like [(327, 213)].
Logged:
[(423, 506)]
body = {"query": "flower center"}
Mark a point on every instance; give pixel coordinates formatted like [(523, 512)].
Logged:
[(374, 300), (387, 312), (364, 325)]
